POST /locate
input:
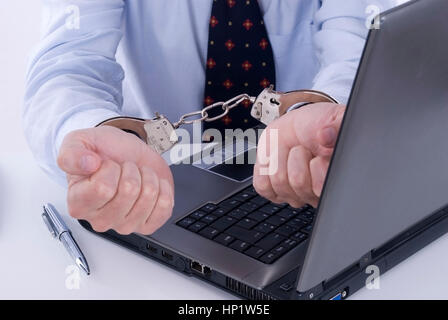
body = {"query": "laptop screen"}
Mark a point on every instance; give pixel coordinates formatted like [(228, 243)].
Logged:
[(389, 170)]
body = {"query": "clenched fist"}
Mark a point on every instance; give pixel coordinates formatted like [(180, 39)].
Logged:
[(115, 181), (301, 144)]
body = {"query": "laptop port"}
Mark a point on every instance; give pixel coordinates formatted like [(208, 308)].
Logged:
[(166, 255), (200, 268), (341, 295), (151, 248)]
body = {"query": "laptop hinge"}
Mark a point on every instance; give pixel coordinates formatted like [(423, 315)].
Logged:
[(365, 260)]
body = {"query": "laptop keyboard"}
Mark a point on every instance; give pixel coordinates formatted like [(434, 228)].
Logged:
[(252, 225)]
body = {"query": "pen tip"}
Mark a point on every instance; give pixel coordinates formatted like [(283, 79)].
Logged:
[(83, 266)]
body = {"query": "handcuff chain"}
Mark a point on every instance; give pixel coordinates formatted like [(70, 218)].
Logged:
[(226, 107)]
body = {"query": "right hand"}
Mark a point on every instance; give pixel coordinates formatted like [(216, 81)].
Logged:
[(115, 181)]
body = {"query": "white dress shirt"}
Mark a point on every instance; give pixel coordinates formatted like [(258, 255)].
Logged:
[(136, 57)]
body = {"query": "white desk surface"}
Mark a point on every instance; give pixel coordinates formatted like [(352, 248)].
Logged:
[(33, 265)]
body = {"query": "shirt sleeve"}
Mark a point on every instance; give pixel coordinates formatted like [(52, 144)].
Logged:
[(73, 80), (339, 41)]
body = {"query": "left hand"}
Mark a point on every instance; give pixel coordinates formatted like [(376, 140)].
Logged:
[(292, 167)]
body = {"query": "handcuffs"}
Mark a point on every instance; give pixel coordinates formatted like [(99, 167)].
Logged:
[(160, 133)]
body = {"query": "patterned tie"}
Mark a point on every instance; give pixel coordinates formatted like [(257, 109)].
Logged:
[(239, 60)]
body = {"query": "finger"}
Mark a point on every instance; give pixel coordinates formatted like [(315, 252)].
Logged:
[(76, 157), (299, 175), (263, 168), (280, 180), (262, 183), (328, 133), (145, 203), (318, 168), (87, 195), (114, 212), (162, 211)]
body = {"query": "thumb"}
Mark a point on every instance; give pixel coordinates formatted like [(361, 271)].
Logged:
[(75, 159), (328, 133)]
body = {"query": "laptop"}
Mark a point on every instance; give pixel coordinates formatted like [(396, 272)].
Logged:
[(385, 195)]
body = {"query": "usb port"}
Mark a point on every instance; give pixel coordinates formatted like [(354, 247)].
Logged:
[(151, 248), (167, 255)]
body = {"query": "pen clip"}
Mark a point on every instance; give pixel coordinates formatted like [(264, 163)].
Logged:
[(48, 223)]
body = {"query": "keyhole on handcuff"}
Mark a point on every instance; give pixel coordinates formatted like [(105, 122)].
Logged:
[(273, 101)]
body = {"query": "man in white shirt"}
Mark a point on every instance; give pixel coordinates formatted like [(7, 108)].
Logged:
[(76, 79)]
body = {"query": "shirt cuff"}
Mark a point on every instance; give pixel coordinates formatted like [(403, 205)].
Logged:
[(81, 120)]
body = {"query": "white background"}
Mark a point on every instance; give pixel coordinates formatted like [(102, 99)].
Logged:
[(33, 266)]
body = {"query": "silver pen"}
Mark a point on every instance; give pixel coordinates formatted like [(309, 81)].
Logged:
[(60, 231)]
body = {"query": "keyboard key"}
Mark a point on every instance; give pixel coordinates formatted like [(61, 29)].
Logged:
[(239, 245), (251, 190), (197, 215), (299, 236), (258, 215), (224, 239), (247, 223), (220, 211), (249, 206), (255, 252), (245, 235), (209, 233), (230, 203), (276, 220), (238, 214), (290, 243), (306, 218), (269, 257), (223, 223), (244, 196), (197, 226), (209, 208), (286, 230), (270, 208), (209, 219), (270, 241), (297, 223), (186, 222), (307, 229), (260, 200), (288, 213), (265, 227), (280, 250)]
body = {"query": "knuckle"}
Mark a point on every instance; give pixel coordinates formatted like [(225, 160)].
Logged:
[(165, 202), (280, 179), (298, 180), (103, 190), (259, 187), (131, 187), (150, 190)]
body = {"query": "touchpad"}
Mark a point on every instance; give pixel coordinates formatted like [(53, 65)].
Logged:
[(239, 168), (238, 172)]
